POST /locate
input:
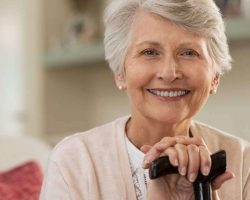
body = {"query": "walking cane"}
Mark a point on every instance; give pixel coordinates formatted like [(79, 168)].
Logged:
[(202, 184)]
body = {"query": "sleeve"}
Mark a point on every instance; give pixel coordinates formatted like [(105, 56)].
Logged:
[(54, 185), (246, 189), (246, 173)]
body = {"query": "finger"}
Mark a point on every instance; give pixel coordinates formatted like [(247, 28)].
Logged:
[(172, 155), (150, 156), (157, 150), (191, 140), (205, 160), (165, 143), (145, 148), (218, 181), (182, 158), (193, 162)]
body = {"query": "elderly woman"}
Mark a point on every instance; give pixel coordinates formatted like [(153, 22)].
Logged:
[(168, 55)]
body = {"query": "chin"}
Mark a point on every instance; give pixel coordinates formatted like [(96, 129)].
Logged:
[(167, 118)]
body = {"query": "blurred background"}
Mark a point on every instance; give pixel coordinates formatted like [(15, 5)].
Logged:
[(54, 80)]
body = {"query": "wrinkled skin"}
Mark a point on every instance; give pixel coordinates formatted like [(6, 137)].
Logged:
[(170, 187)]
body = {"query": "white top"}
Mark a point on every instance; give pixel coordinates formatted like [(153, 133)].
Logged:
[(140, 175)]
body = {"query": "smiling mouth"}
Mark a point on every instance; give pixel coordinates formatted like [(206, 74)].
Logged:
[(169, 93)]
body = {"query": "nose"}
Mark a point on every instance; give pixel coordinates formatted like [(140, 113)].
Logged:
[(169, 71)]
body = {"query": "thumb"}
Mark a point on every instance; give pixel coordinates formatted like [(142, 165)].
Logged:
[(217, 183)]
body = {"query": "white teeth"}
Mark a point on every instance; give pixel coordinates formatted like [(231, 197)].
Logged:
[(168, 93), (171, 94)]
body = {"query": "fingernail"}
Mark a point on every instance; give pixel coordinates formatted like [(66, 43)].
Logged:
[(192, 177), (205, 171), (183, 171)]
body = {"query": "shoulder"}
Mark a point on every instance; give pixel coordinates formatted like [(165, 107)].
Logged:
[(216, 138), (86, 142), (77, 158)]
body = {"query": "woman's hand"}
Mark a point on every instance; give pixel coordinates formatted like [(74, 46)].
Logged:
[(190, 155)]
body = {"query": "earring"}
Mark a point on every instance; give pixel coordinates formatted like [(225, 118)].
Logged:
[(120, 87), (213, 91)]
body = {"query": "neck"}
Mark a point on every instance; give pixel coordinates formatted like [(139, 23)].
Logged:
[(148, 132)]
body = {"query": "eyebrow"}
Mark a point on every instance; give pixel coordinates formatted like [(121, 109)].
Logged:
[(185, 44), (153, 43), (157, 44)]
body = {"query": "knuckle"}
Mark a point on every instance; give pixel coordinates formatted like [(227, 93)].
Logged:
[(206, 161), (179, 146), (158, 145), (204, 151), (165, 139), (193, 147)]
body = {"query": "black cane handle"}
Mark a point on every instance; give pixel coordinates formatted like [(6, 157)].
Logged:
[(202, 184)]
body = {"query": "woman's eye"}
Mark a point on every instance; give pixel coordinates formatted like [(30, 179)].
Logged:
[(150, 53), (189, 53)]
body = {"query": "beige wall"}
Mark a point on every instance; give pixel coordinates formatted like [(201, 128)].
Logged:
[(80, 98)]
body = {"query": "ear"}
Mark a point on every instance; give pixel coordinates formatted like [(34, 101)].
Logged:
[(215, 83), (120, 81)]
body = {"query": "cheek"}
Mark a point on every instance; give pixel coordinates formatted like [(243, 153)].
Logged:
[(138, 74), (203, 86), (200, 73)]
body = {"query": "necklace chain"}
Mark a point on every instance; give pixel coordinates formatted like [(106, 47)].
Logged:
[(145, 179)]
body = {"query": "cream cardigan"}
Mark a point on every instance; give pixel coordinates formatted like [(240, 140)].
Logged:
[(94, 165)]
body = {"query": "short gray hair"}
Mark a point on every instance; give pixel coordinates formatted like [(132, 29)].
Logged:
[(199, 16)]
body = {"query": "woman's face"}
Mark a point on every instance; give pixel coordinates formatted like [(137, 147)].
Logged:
[(168, 71)]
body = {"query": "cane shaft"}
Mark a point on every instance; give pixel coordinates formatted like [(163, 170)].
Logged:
[(202, 191)]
